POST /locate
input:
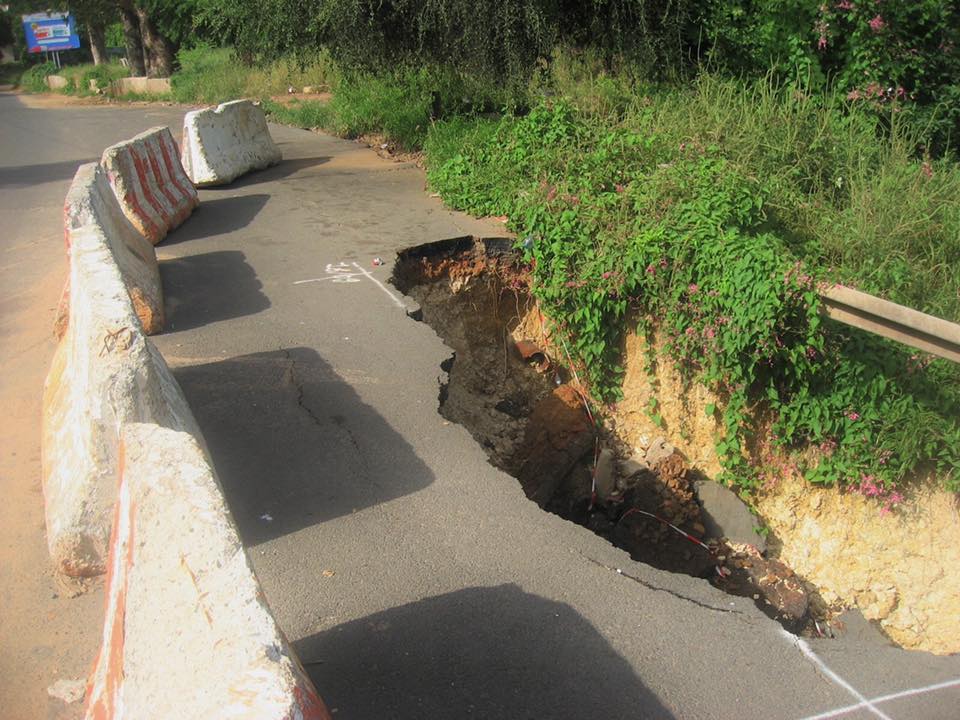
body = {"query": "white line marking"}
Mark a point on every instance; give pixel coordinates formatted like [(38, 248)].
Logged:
[(340, 278), (812, 656), (397, 301), (886, 698)]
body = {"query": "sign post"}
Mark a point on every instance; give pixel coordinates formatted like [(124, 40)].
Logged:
[(50, 33)]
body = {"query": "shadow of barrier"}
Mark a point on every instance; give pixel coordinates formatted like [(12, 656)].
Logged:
[(219, 216), (187, 282), (294, 441), (485, 652)]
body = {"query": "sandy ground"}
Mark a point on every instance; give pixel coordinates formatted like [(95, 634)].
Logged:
[(47, 628)]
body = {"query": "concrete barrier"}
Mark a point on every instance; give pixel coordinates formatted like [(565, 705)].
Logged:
[(149, 182), (104, 373), (221, 144), (90, 201), (140, 86), (187, 632)]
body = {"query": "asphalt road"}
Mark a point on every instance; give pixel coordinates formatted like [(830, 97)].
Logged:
[(413, 578)]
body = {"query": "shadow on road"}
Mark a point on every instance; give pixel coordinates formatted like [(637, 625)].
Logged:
[(24, 175), (188, 282), (283, 169), (291, 440), (218, 217), (495, 652)]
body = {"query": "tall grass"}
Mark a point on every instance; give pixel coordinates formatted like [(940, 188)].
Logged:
[(213, 75)]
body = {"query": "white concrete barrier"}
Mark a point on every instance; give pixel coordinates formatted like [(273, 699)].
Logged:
[(90, 201), (146, 176), (104, 373), (187, 631), (140, 86), (221, 144)]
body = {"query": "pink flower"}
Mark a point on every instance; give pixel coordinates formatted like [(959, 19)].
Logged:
[(854, 95), (692, 288), (845, 5), (691, 332), (651, 270), (620, 188), (853, 415), (927, 169), (710, 333), (869, 487), (877, 24), (822, 43), (607, 275)]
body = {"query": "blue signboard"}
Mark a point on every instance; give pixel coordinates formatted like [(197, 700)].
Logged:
[(49, 32)]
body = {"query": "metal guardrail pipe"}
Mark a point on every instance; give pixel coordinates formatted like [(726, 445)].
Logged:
[(897, 322)]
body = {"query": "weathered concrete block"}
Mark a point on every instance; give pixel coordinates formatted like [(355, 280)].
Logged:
[(105, 372), (140, 85), (221, 144), (187, 633), (90, 201)]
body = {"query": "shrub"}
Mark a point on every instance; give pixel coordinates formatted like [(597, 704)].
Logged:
[(700, 212), (35, 78)]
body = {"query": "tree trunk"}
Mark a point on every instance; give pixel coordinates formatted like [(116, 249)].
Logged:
[(131, 35), (158, 50), (98, 42)]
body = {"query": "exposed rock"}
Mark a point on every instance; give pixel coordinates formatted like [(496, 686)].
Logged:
[(773, 586), (899, 568), (605, 476), (658, 450), (725, 515)]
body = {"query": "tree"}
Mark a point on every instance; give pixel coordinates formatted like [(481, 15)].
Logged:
[(95, 15), (158, 50), (132, 38)]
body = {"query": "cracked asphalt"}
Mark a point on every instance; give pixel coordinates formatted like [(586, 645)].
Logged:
[(413, 578)]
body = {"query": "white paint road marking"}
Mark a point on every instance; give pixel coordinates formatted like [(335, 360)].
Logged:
[(397, 301), (812, 656), (886, 698), (341, 273)]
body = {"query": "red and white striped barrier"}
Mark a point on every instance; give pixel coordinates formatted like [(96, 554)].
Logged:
[(153, 190), (90, 201), (187, 631)]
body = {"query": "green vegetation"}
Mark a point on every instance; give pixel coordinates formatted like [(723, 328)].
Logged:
[(34, 78), (78, 77), (211, 75), (710, 213), (10, 73), (692, 168)]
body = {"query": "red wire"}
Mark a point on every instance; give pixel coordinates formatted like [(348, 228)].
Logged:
[(689, 537)]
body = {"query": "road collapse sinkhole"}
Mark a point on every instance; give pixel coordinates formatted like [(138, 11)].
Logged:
[(522, 404)]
